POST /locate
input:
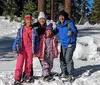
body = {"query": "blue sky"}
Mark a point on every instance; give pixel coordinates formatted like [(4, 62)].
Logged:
[(90, 1)]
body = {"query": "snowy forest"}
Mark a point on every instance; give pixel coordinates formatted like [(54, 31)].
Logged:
[(86, 56), (78, 8)]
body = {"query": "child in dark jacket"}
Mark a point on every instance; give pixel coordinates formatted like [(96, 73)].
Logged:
[(47, 51), (26, 44)]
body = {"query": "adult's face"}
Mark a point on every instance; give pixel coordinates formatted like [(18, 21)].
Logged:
[(42, 21), (61, 18)]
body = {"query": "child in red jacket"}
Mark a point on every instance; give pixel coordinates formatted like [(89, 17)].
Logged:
[(26, 37), (47, 51)]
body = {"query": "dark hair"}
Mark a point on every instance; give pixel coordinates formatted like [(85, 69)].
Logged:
[(63, 13)]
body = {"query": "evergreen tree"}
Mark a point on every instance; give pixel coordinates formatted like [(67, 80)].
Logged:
[(58, 6), (29, 8), (20, 4), (95, 16), (76, 10), (1, 7), (9, 8), (48, 9), (79, 7)]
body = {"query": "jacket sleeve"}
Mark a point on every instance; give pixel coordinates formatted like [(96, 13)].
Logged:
[(14, 44), (35, 41), (40, 51), (56, 47), (36, 44), (55, 31), (73, 27)]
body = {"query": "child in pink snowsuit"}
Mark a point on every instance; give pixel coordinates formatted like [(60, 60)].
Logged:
[(47, 51), (25, 54)]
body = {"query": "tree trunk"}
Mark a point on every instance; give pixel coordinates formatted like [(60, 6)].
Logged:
[(52, 9), (68, 7), (42, 5)]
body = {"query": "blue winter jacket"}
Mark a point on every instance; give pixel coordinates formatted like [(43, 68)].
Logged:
[(17, 45), (65, 40)]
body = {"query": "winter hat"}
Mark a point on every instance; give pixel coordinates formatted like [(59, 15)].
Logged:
[(41, 15), (63, 13), (28, 17), (49, 27)]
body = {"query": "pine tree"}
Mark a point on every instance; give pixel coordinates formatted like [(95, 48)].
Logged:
[(20, 5), (29, 8), (48, 7), (95, 16), (9, 8), (79, 8), (1, 7)]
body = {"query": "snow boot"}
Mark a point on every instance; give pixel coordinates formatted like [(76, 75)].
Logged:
[(23, 77), (67, 78), (30, 80), (48, 78), (63, 75), (17, 83)]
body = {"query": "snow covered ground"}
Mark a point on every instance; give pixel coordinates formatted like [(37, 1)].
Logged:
[(86, 56)]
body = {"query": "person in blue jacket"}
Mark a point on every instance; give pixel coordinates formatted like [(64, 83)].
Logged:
[(68, 37)]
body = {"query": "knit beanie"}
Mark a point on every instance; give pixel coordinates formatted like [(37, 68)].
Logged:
[(63, 13), (49, 27), (41, 15), (28, 17)]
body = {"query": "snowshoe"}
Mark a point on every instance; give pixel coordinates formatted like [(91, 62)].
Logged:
[(25, 79), (17, 83), (48, 78), (68, 78), (54, 74), (30, 80)]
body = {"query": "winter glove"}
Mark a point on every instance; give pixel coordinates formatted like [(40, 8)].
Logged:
[(70, 33), (53, 23)]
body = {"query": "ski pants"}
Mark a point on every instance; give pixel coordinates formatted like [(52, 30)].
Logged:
[(66, 61), (47, 65), (25, 58)]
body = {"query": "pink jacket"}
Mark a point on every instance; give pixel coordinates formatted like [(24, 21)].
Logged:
[(27, 38), (42, 48)]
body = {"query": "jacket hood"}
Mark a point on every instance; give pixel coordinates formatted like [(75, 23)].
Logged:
[(64, 24)]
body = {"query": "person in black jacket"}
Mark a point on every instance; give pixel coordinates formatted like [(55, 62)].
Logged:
[(40, 26)]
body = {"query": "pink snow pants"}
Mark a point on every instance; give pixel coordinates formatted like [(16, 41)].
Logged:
[(25, 58)]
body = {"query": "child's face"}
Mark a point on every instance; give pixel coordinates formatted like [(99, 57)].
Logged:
[(28, 21), (48, 33)]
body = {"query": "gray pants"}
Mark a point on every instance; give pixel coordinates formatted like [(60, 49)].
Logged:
[(47, 65), (66, 61)]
